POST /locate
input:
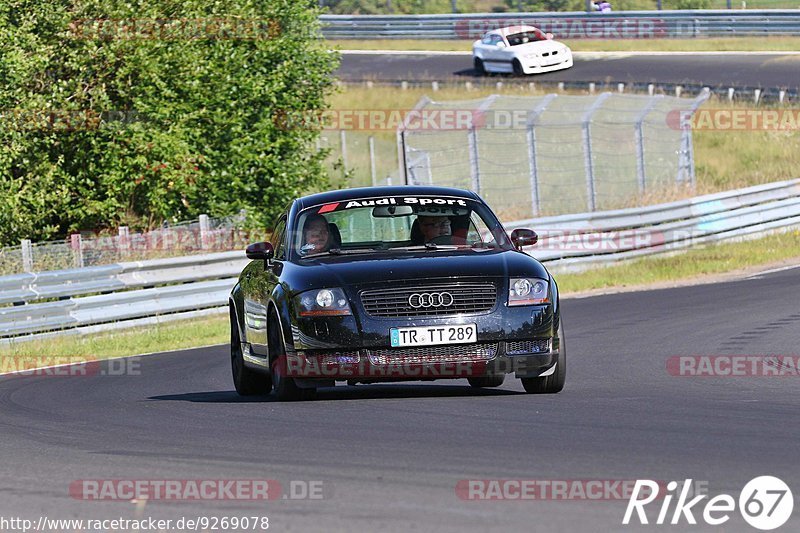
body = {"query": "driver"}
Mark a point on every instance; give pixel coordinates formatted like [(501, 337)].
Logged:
[(316, 235), (433, 227)]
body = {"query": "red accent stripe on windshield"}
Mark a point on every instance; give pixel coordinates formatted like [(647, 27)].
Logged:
[(328, 208)]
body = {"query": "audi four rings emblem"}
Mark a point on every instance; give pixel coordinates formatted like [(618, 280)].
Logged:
[(430, 299)]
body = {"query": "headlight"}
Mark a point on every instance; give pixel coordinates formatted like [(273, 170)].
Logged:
[(531, 55), (528, 291), (322, 302)]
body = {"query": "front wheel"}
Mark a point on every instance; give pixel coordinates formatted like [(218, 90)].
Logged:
[(286, 388), (246, 381), (554, 382), (517, 66)]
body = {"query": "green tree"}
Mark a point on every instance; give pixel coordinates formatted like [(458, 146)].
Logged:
[(140, 111)]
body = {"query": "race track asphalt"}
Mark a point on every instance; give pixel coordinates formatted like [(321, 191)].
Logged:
[(715, 70)]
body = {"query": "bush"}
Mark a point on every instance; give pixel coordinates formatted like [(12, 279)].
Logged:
[(155, 113)]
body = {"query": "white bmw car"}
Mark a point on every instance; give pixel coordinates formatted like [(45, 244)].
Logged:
[(521, 50)]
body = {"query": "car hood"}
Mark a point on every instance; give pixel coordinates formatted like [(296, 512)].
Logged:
[(363, 271), (539, 47)]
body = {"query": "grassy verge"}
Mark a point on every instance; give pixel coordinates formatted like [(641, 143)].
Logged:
[(693, 264), (722, 44), (156, 338)]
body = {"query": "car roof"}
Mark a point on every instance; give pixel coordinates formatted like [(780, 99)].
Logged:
[(375, 192)]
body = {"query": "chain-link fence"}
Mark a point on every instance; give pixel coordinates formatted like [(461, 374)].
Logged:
[(552, 154), (204, 235), (361, 158)]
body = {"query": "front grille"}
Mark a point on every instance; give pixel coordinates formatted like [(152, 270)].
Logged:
[(456, 353), (467, 298), (526, 347)]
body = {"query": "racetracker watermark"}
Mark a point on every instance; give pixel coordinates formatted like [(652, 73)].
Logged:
[(553, 489), (170, 238), (595, 27), (382, 119), (765, 503), (197, 489), (735, 119), (68, 366), (734, 366), (172, 29), (576, 240)]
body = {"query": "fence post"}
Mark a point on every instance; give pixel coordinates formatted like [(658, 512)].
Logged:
[(472, 140), (123, 241), (343, 143), (372, 160), (402, 169), (402, 163), (532, 164), (640, 167), (474, 167), (76, 242), (27, 255), (686, 155), (587, 151), (204, 231)]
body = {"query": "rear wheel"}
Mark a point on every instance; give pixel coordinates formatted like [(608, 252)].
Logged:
[(479, 68), (554, 382), (246, 381), (517, 66), (286, 388), (486, 381)]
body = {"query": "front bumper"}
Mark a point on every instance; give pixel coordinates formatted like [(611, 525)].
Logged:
[(519, 340), (540, 65)]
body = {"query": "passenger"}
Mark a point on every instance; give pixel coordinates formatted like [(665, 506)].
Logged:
[(316, 235)]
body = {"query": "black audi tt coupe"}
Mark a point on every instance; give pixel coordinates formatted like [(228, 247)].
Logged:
[(393, 284)]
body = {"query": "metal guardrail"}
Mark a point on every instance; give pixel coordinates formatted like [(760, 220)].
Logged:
[(33, 286), (569, 25), (197, 285), (579, 241)]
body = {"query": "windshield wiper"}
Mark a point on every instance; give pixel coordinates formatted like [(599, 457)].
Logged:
[(340, 251), (427, 246)]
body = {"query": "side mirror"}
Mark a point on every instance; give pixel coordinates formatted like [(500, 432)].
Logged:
[(501, 44), (260, 250), (549, 36), (523, 237)]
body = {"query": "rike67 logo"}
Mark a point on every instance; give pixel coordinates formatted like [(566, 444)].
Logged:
[(765, 502)]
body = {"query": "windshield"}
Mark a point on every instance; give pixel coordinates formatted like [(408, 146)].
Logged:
[(516, 39), (396, 224)]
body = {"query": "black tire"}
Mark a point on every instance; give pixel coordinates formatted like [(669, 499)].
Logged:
[(246, 381), (487, 381), (479, 68), (553, 383), (517, 66), (286, 389)]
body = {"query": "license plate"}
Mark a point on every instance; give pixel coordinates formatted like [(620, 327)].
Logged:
[(433, 335)]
